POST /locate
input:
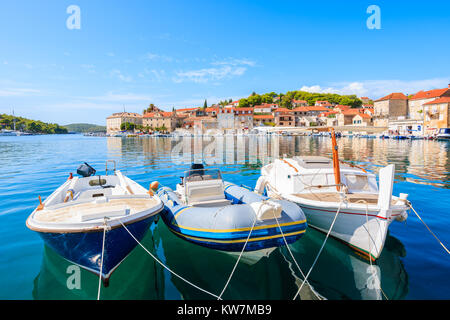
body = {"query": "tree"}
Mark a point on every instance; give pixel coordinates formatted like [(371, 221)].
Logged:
[(205, 105)]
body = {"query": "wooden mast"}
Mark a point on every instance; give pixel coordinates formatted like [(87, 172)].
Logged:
[(337, 170)]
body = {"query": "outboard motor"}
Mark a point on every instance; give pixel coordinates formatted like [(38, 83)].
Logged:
[(198, 167), (86, 170)]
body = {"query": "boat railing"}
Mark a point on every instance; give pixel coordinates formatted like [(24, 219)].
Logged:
[(106, 166)]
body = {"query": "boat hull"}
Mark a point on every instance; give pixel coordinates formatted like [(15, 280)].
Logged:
[(85, 248), (365, 233)]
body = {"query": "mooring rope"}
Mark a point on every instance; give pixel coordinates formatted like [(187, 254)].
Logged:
[(166, 267), (440, 242), (105, 227), (295, 261), (320, 251), (242, 251)]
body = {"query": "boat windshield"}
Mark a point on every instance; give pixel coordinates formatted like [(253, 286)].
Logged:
[(202, 174)]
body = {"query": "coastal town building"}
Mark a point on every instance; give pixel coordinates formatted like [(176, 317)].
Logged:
[(325, 104), (260, 120), (114, 121), (299, 103), (391, 106), (284, 117), (362, 120), (345, 118), (225, 119), (161, 119), (436, 115), (417, 101), (264, 108)]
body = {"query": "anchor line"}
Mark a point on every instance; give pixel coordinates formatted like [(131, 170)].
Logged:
[(166, 267), (320, 251), (293, 258), (432, 233), (105, 227)]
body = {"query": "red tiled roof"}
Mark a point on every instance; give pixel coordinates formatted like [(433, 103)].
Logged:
[(284, 110), (262, 116), (267, 105), (153, 114), (243, 109), (394, 96), (439, 100), (353, 111), (324, 114), (211, 109), (429, 94), (186, 109), (310, 108), (363, 115), (342, 107)]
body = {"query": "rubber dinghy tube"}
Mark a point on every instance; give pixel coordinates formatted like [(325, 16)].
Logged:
[(227, 227)]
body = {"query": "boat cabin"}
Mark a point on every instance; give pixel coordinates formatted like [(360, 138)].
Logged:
[(315, 174)]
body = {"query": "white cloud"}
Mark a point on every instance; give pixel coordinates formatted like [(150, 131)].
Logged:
[(154, 56), (379, 88), (15, 92), (225, 69), (117, 73), (88, 67), (235, 62)]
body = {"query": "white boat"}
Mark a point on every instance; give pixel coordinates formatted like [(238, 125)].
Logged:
[(443, 134), (9, 133), (72, 219), (365, 210)]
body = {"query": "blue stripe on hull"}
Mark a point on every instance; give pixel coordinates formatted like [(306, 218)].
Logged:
[(85, 249), (207, 239)]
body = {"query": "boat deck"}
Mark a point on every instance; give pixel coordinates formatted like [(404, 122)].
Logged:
[(370, 198), (92, 210)]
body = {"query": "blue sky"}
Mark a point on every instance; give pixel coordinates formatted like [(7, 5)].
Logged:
[(178, 53)]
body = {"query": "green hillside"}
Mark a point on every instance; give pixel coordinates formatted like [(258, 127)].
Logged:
[(28, 125), (84, 127)]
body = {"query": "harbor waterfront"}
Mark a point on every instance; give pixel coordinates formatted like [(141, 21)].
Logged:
[(412, 265)]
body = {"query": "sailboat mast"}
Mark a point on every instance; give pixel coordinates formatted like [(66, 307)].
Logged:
[(337, 170)]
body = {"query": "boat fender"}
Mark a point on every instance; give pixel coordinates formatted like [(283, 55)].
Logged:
[(260, 185), (266, 210), (153, 187)]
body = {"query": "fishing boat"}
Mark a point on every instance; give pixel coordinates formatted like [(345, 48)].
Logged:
[(346, 198), (73, 218), (210, 212)]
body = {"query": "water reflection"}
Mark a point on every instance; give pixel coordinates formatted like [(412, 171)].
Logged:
[(137, 277), (341, 274), (417, 161)]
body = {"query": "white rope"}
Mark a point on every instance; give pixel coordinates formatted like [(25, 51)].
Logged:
[(320, 251), (370, 246), (240, 255), (101, 261), (440, 242), (295, 261), (165, 267)]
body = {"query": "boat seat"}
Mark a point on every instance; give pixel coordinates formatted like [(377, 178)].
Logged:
[(204, 190)]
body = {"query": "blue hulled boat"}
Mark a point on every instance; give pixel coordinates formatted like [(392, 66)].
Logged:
[(219, 215), (73, 218)]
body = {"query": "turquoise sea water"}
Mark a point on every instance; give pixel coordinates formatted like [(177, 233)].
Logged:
[(412, 266)]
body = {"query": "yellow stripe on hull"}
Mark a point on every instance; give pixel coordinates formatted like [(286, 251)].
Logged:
[(239, 240)]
